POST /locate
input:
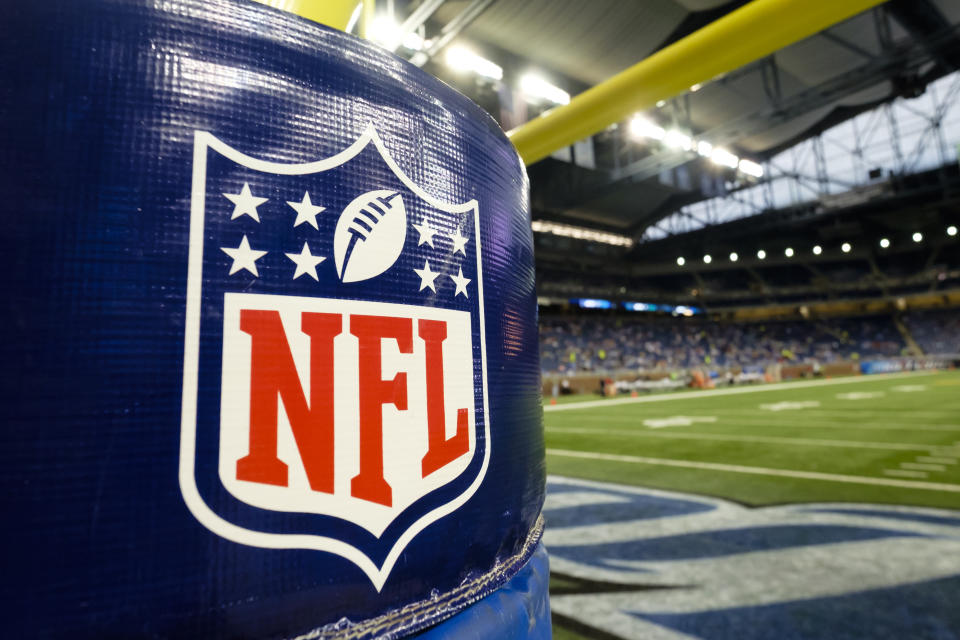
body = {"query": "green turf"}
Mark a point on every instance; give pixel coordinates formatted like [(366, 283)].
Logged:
[(908, 425)]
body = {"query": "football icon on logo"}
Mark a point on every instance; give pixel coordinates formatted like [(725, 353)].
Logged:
[(370, 235)]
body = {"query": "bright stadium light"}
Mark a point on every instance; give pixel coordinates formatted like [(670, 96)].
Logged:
[(704, 148), (724, 158), (681, 261), (761, 254), (734, 257), (413, 41), (845, 247), (385, 32), (678, 140), (537, 86), (707, 259), (917, 236), (751, 168), (641, 127), (462, 59), (788, 252), (581, 233), (884, 243), (696, 87), (951, 231), (817, 250)]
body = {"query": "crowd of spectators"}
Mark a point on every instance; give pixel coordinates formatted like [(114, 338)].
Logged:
[(597, 343), (936, 332)]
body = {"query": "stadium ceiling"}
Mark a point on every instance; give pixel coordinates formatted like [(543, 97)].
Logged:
[(639, 179)]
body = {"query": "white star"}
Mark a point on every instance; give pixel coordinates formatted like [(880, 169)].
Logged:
[(306, 211), (461, 283), (426, 276), (426, 233), (459, 242), (245, 204), (244, 257), (306, 263)]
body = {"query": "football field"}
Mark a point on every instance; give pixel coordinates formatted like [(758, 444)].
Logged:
[(891, 439)]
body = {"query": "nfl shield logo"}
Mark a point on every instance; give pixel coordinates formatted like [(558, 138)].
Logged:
[(334, 386)]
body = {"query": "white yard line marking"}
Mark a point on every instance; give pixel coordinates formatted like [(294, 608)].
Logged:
[(784, 422), (790, 406), (914, 466), (910, 388), (676, 421), (900, 473), (762, 471), (855, 444), (713, 393), (861, 395), (846, 410), (933, 460)]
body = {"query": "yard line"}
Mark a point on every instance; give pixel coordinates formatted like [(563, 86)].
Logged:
[(844, 411), (855, 444), (913, 466), (900, 473), (933, 460), (781, 421), (762, 471), (713, 393)]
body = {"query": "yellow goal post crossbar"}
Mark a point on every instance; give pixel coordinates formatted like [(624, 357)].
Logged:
[(738, 38)]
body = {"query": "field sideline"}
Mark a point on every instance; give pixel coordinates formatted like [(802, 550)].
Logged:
[(884, 439)]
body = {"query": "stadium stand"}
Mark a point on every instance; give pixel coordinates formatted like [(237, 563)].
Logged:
[(586, 343), (936, 331)]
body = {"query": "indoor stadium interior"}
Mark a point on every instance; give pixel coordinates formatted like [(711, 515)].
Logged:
[(708, 356)]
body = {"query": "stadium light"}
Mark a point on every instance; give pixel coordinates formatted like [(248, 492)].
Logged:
[(884, 243), (761, 254), (917, 236), (951, 231), (537, 86), (661, 104), (707, 259), (462, 59), (845, 247), (751, 168), (734, 257), (681, 261), (817, 250), (724, 158), (678, 140), (581, 233), (641, 127), (696, 87), (704, 148), (788, 252), (385, 32)]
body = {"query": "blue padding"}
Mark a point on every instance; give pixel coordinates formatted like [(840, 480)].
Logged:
[(519, 609)]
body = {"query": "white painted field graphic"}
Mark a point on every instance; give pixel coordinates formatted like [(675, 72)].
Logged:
[(861, 395), (738, 566), (910, 388), (786, 405), (676, 421)]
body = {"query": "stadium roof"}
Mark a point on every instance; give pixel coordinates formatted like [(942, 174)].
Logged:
[(847, 137), (626, 181)]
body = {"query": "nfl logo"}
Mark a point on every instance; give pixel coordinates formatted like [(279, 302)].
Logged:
[(334, 385)]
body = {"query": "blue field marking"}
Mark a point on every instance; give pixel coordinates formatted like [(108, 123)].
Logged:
[(896, 515), (725, 542), (681, 566), (920, 611), (628, 506)]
